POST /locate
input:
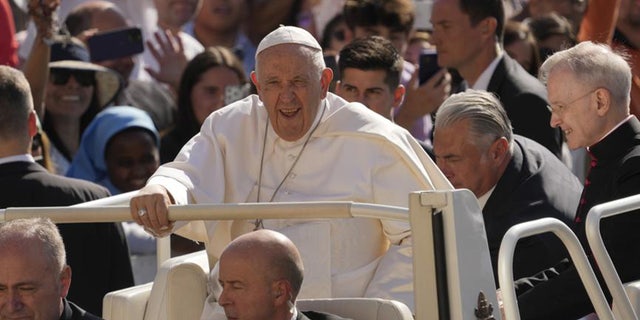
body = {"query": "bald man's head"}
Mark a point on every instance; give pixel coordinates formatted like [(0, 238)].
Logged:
[(272, 253)]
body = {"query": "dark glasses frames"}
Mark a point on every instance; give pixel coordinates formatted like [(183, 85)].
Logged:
[(60, 77)]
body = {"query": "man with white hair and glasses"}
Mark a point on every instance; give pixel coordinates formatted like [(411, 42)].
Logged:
[(589, 94)]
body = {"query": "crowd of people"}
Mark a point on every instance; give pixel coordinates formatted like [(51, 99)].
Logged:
[(533, 108)]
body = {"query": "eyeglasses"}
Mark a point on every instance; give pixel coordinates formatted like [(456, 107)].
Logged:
[(60, 77), (559, 109)]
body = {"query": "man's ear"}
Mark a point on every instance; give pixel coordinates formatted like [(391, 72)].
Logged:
[(281, 292), (488, 26), (32, 124), (65, 281), (254, 79), (603, 101), (499, 149), (398, 95), (325, 81)]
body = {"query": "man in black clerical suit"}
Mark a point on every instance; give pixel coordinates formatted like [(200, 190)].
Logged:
[(97, 252), (468, 35), (514, 178), (588, 88), (261, 273)]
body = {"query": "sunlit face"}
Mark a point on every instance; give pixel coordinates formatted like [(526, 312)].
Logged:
[(457, 41), (222, 15), (290, 88), (398, 39), (246, 293), (368, 87), (131, 156), (69, 100), (207, 95), (463, 163), (573, 109), (29, 287), (175, 13)]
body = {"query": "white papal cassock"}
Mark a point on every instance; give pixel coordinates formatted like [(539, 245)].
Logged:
[(353, 155)]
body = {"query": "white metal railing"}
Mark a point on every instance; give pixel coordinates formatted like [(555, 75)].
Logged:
[(113, 209), (569, 239), (621, 302)]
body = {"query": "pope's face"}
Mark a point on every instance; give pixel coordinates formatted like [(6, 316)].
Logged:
[(291, 88)]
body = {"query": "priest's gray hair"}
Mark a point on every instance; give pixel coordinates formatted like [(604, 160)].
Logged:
[(487, 118), (596, 66)]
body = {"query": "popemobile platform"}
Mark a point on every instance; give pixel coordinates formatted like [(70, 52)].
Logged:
[(452, 271)]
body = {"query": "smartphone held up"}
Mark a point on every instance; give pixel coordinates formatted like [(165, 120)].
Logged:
[(428, 65), (115, 44)]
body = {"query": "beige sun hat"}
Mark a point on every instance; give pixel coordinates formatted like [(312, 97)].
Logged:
[(72, 54)]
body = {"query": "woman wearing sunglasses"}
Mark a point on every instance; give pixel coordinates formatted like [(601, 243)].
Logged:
[(76, 91)]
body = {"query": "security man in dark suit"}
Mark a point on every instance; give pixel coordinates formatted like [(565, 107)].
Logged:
[(97, 252), (514, 178), (468, 35)]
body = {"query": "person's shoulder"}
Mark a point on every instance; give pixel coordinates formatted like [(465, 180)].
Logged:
[(75, 190), (74, 312)]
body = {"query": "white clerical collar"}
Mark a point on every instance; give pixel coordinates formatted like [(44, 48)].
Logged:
[(614, 129), (482, 200), (19, 158), (483, 81), (295, 313)]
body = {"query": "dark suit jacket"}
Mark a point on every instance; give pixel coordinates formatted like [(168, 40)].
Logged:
[(73, 312), (535, 185), (97, 252), (312, 315), (616, 175), (525, 100)]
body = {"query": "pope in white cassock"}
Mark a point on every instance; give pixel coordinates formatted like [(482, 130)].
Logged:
[(294, 141)]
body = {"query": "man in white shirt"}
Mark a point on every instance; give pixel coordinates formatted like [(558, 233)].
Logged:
[(294, 141)]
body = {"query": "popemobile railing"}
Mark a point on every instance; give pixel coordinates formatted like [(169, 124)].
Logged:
[(622, 306), (570, 241), (621, 303), (468, 279)]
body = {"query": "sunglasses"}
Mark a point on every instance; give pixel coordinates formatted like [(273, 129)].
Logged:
[(60, 77)]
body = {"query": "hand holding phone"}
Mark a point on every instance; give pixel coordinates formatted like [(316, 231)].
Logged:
[(115, 44), (428, 65)]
